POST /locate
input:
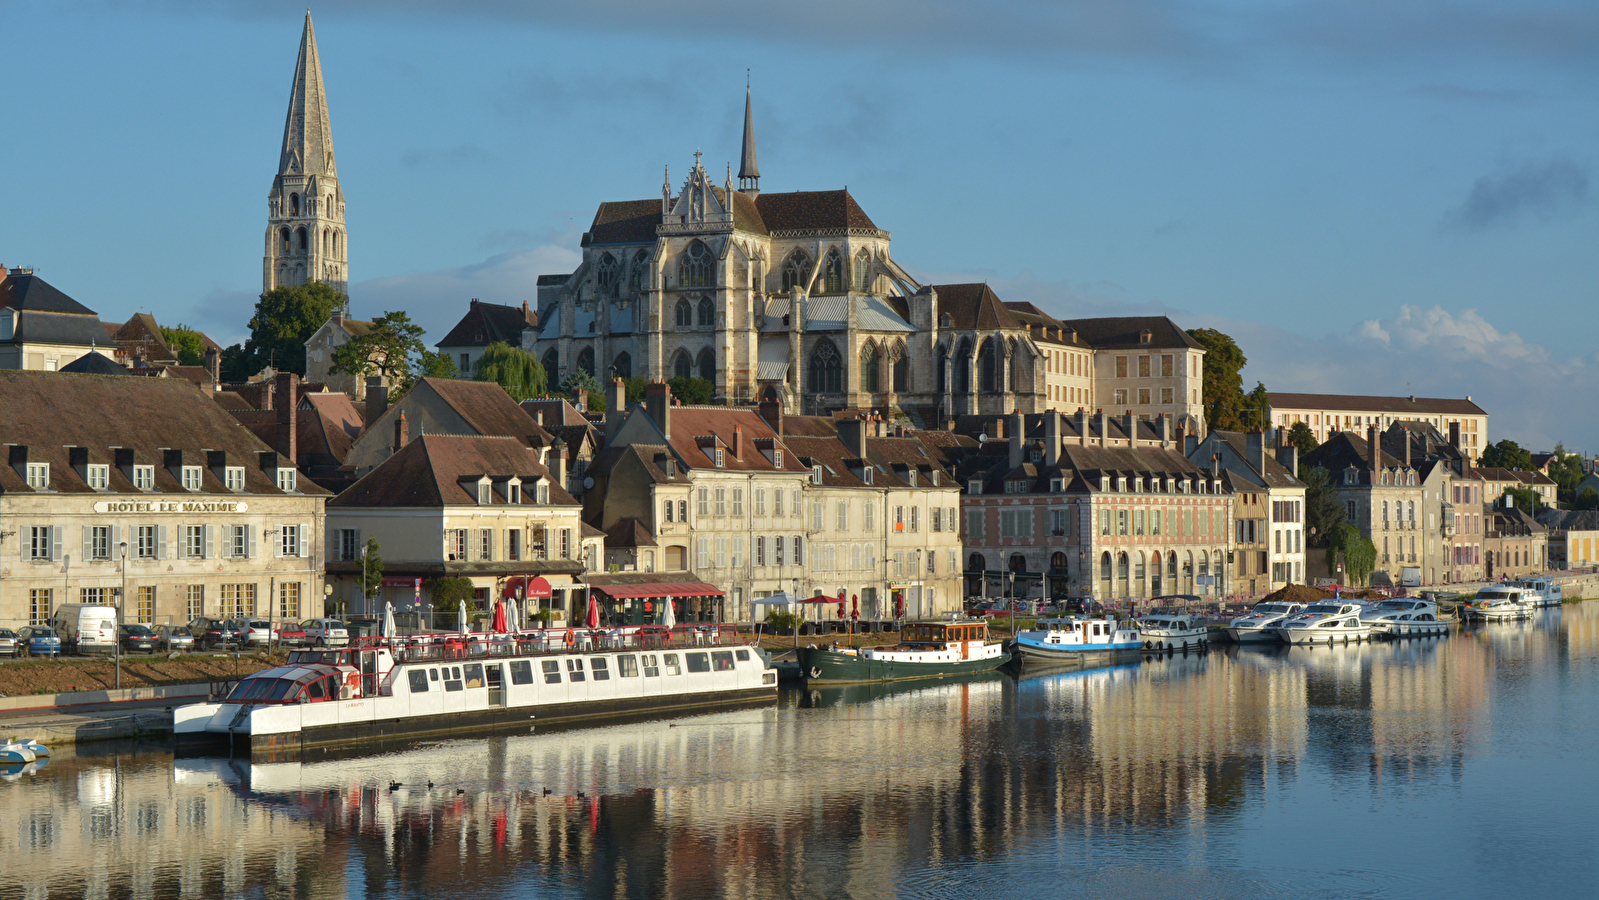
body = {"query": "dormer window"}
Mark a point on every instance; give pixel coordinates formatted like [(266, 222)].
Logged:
[(1057, 485), (975, 486), (932, 478), (144, 478), (1144, 337), (513, 493), (39, 476), (866, 474), (485, 493), (286, 480), (816, 474), (910, 477), (99, 477), (542, 493), (777, 460), (235, 477), (191, 478), (721, 458), (1104, 482)]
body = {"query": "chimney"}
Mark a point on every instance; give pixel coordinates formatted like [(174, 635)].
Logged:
[(615, 407), (738, 441), (1101, 425), (213, 364), (338, 316), (538, 418), (558, 463), (1454, 435), (377, 398), (999, 428), (1017, 430), (1215, 466), (402, 432), (1255, 446), (580, 399), (1190, 444), (852, 432), (265, 393), (1082, 427), (1374, 446), (658, 404), (772, 411), (288, 412), (1288, 455), (1165, 430), (1052, 438), (1405, 433), (1130, 425)]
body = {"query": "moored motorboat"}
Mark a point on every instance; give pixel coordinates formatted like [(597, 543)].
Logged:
[(931, 649), (1258, 625), (1541, 591), (1077, 641), (1499, 603), (1325, 622), (1404, 617), (18, 752), (1170, 629)]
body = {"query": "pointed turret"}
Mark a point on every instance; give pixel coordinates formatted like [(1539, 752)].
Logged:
[(307, 136), (749, 174)]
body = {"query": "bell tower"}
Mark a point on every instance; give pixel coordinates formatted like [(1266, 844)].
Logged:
[(305, 236)]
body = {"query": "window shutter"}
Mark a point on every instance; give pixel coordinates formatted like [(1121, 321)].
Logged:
[(88, 542), (444, 548), (249, 541), (27, 543), (57, 533), (358, 544), (116, 544), (277, 544), (162, 551), (210, 542), (305, 541)]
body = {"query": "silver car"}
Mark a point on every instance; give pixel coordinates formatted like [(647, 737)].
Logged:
[(256, 632), (8, 642), (174, 638)]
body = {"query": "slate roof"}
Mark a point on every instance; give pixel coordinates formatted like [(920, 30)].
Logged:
[(1275, 475), (1399, 406), (1569, 519), (1345, 449), (628, 532), (32, 293), (635, 221), (1124, 332), (426, 472), (39, 327), (623, 222), (48, 411), (488, 323), (974, 306), (94, 364)]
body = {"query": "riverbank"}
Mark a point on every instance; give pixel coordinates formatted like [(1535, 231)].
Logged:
[(71, 674)]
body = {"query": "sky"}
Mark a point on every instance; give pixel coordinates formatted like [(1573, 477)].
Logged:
[(1371, 197)]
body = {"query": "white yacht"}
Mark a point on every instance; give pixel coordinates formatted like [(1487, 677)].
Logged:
[(1258, 625), (1404, 617), (1542, 591), (1500, 602), (1324, 622), (1171, 629)]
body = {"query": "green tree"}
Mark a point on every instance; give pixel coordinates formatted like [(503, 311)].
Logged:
[(285, 318), (1359, 554), (693, 390), (580, 380), (435, 364), (1565, 470), (1257, 408), (1223, 393), (449, 593), (1323, 513), (1507, 454), (1303, 438), (236, 364), (635, 389), (1587, 498), (387, 349), (371, 569), (519, 372), (187, 342), (1527, 499)]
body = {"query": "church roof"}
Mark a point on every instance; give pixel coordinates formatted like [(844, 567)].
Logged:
[(747, 167), (811, 210), (635, 221), (307, 134), (973, 306), (486, 323)]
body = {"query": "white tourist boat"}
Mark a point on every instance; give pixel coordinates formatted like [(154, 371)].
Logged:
[(1542, 591), (1259, 625), (1170, 629), (1499, 603), (1326, 622), (1405, 617), (1078, 641), (472, 684)]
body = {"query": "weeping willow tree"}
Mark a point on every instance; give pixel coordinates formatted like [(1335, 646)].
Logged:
[(519, 372), (1359, 553)]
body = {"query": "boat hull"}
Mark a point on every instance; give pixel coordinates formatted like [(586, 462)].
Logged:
[(1180, 640), (1323, 635), (1078, 656), (820, 666), (1252, 635)]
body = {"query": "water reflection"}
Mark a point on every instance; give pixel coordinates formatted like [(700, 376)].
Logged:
[(1219, 774)]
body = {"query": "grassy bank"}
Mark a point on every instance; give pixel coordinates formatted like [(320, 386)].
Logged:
[(67, 674)]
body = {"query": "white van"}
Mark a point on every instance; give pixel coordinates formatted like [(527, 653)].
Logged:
[(86, 628)]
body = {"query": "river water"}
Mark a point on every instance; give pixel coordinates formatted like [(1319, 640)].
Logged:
[(1459, 767)]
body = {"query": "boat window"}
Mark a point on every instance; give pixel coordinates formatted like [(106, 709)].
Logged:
[(698, 662), (258, 688), (627, 665), (552, 671), (239, 690), (672, 666), (433, 674), (474, 675), (1351, 623), (419, 680), (452, 678), (574, 670), (521, 672), (601, 671), (281, 688), (317, 690), (723, 659), (652, 665), (743, 655)]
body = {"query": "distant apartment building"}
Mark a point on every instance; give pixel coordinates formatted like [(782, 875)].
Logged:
[(1328, 414), (1573, 537)]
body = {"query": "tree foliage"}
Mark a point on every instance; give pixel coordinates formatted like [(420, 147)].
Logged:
[(519, 372), (1323, 513), (1587, 498), (1359, 554), (1223, 394), (1507, 454), (580, 380), (187, 342), (1302, 437), (1527, 499), (435, 364), (1565, 470), (391, 349), (1256, 412), (449, 593), (635, 389), (371, 569), (693, 390), (285, 318)]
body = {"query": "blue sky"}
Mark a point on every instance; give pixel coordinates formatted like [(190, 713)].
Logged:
[(1372, 197)]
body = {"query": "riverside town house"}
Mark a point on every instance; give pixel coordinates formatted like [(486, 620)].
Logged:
[(147, 484)]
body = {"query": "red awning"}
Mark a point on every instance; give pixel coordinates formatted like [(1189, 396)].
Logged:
[(535, 587), (676, 589)]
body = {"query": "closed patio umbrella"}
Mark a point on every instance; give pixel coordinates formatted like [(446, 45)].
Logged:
[(388, 619), (498, 626), (668, 615), (592, 618), (462, 620)]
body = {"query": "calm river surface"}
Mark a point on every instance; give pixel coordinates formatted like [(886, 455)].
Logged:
[(1462, 767)]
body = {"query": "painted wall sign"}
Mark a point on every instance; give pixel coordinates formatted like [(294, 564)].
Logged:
[(118, 507)]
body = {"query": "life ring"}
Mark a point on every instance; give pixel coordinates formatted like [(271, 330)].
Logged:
[(571, 639), (816, 672)]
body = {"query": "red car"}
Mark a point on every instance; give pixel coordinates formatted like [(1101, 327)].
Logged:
[(289, 634)]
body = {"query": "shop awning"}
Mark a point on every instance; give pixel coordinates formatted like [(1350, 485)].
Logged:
[(674, 589), (533, 587)]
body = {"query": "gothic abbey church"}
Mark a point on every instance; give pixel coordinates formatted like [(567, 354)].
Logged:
[(796, 296)]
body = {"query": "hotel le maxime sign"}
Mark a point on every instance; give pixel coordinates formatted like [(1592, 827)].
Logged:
[(171, 506)]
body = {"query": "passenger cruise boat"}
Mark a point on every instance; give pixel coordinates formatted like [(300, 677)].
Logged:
[(1500, 602), (1077, 641), (932, 649), (470, 684), (1405, 617), (1542, 591), (1169, 629), (1325, 621), (1259, 625)]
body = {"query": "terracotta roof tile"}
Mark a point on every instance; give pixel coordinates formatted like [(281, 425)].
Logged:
[(426, 472)]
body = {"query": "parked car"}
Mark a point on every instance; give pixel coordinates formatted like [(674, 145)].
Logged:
[(289, 634), (138, 638), (8, 642), (326, 632), (39, 640), (215, 634), (86, 628), (174, 638), (256, 632)]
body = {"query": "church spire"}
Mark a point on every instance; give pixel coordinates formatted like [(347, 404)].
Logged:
[(307, 136), (749, 174)]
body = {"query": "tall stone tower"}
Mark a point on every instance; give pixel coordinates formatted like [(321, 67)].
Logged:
[(305, 238)]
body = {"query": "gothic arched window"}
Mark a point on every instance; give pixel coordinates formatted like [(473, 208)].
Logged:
[(635, 277), (863, 271), (796, 271), (1010, 369), (682, 366), (941, 360), (685, 314), (622, 365), (585, 360), (833, 273), (707, 313), (605, 275), (869, 380), (988, 366), (827, 369), (294, 204), (902, 368), (300, 239), (694, 268), (552, 364), (963, 369), (707, 365), (284, 235)]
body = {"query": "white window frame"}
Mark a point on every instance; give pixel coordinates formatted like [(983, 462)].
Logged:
[(233, 477), (39, 476), (193, 478), (99, 477), (289, 540), (144, 478), (286, 480)]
